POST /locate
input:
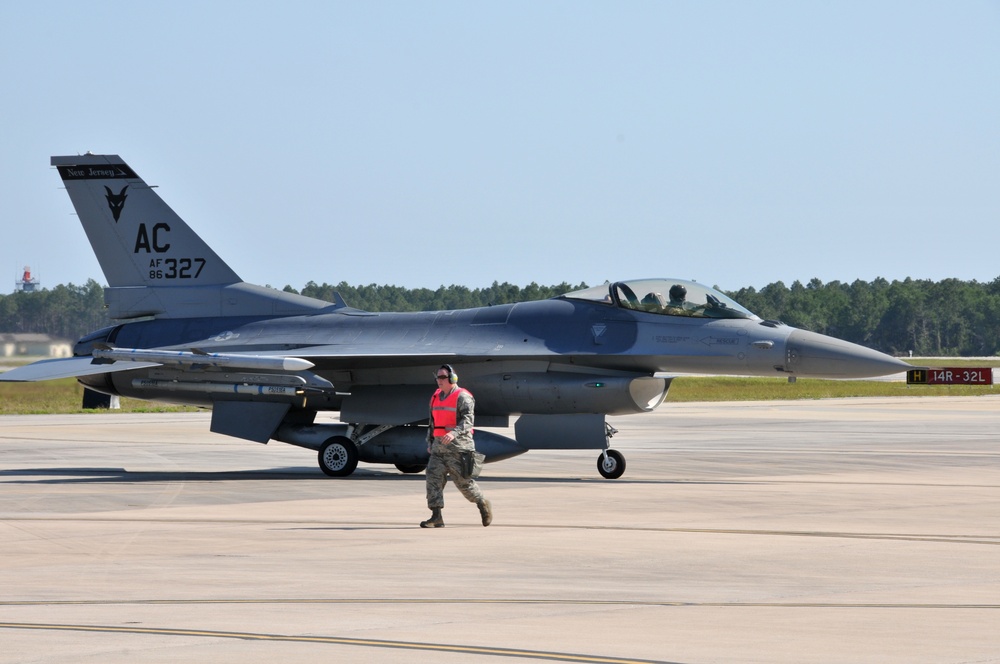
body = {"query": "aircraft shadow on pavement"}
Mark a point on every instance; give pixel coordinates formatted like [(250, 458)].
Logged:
[(305, 473)]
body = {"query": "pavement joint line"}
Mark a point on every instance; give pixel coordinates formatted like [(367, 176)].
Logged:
[(335, 640), (507, 601)]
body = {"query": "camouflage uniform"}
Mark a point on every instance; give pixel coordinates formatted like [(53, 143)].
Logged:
[(446, 460)]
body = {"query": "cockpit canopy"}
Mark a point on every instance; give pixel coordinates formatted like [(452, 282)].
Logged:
[(667, 297)]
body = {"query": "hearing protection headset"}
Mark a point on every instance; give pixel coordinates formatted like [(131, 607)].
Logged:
[(452, 376)]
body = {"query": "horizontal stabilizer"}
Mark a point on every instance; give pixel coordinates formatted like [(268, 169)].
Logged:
[(68, 367)]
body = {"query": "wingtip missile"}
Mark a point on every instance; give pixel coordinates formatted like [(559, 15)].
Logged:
[(201, 358)]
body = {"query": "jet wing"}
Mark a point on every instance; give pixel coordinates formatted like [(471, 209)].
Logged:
[(109, 360), (67, 367)]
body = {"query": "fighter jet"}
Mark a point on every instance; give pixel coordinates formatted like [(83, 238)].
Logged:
[(266, 362)]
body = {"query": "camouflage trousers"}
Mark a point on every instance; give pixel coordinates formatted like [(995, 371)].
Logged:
[(445, 461)]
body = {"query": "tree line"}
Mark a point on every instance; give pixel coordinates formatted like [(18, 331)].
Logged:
[(949, 317), (397, 298), (66, 312)]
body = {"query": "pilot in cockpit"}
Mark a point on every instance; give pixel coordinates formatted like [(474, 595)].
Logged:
[(678, 304)]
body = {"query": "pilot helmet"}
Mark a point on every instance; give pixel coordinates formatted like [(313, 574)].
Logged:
[(678, 292)]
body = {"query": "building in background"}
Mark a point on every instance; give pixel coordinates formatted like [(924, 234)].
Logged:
[(34, 345)]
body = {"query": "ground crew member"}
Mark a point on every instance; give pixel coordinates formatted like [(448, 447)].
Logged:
[(448, 436)]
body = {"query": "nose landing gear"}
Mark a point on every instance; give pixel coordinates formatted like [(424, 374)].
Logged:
[(611, 463)]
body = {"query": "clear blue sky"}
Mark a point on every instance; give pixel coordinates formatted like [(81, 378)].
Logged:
[(430, 143)]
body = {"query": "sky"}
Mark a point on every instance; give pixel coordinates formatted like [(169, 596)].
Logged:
[(422, 144)]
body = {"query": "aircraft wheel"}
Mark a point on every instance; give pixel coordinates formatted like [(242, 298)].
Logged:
[(338, 456), (611, 465), (411, 468)]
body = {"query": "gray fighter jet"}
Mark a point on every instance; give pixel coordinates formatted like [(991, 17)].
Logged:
[(266, 362)]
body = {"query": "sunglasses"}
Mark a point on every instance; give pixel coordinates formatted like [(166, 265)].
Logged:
[(441, 377)]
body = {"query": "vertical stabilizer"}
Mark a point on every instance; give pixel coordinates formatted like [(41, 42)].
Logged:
[(154, 263), (138, 239)]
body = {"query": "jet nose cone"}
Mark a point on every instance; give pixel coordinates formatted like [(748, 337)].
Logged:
[(820, 356)]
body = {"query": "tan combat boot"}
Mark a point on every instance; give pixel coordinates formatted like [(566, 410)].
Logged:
[(436, 520), (486, 511)]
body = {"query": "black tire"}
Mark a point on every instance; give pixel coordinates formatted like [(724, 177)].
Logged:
[(411, 468), (611, 466), (338, 456)]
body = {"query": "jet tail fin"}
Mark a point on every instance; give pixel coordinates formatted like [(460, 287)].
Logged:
[(155, 264)]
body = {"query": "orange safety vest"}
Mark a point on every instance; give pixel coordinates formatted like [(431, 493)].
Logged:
[(445, 412)]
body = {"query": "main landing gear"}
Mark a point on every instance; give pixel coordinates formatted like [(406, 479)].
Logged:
[(403, 446), (338, 456), (611, 463)]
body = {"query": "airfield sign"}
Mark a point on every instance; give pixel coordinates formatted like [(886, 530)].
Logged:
[(950, 376)]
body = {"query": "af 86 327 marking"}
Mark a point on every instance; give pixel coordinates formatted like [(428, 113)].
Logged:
[(175, 268)]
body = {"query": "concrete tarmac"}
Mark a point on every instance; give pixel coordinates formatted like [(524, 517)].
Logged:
[(862, 530)]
